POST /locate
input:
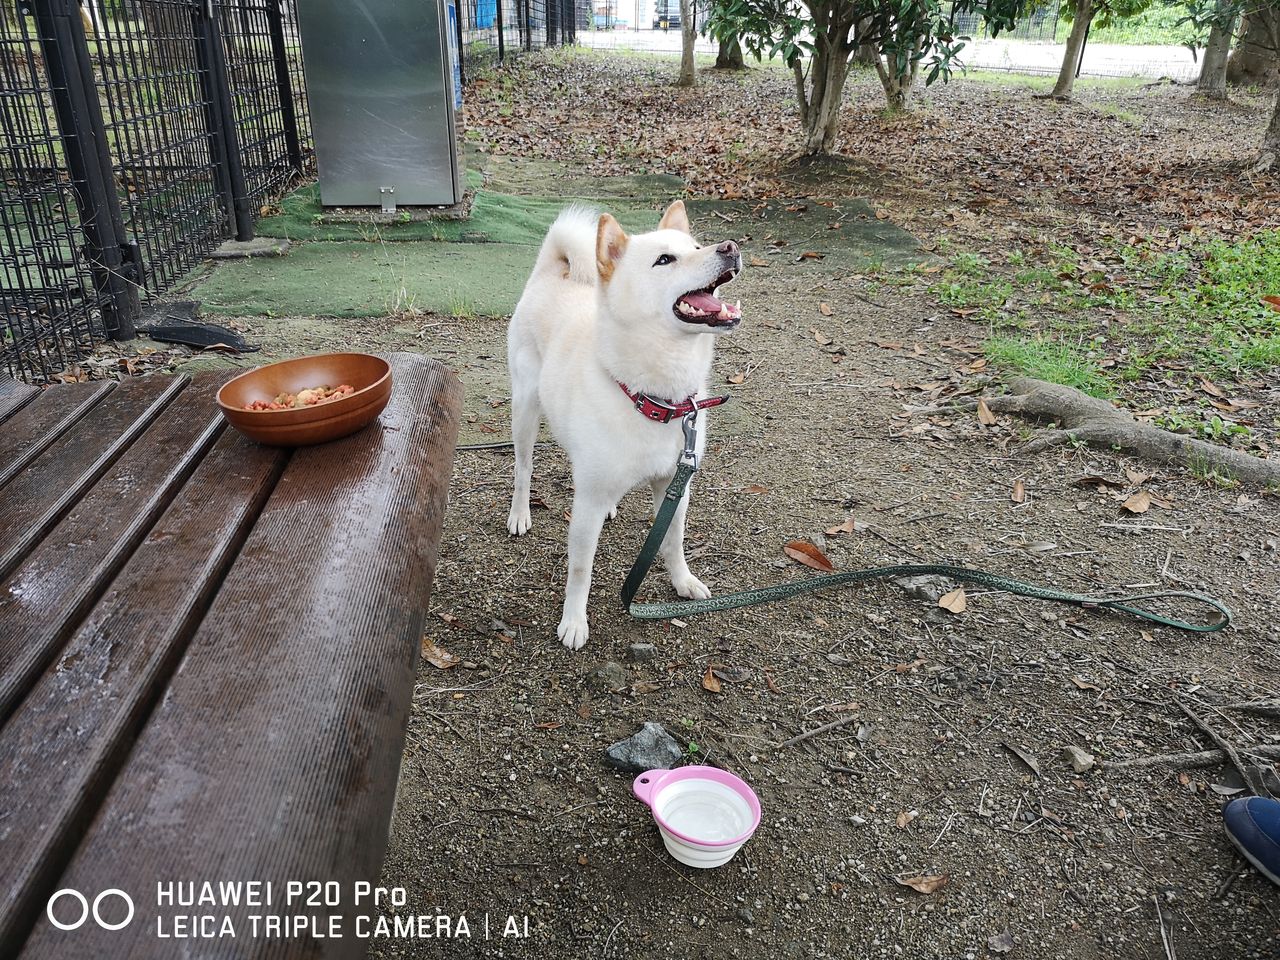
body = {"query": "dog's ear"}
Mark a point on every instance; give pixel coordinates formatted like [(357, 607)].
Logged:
[(676, 218), (611, 244)]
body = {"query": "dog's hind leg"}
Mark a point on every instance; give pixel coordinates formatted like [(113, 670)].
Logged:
[(526, 414), (672, 549), (589, 512)]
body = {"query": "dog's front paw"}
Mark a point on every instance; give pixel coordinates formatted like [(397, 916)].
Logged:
[(690, 587), (519, 521), (613, 513), (573, 631)]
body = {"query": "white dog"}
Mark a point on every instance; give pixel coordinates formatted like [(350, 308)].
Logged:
[(612, 340)]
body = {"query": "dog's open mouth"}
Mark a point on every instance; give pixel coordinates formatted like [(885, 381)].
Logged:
[(703, 306)]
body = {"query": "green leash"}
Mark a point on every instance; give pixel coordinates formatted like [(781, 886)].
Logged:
[(688, 466)]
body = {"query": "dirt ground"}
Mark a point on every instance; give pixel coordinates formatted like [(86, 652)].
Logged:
[(507, 807), (952, 765)]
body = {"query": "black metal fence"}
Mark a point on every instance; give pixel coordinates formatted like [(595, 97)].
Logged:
[(1040, 24), (135, 135), (492, 30)]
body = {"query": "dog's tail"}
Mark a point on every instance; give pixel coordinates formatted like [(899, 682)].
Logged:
[(569, 249)]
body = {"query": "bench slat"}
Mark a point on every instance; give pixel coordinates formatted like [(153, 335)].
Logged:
[(28, 432), (46, 596), (54, 774), (38, 497), (14, 394), (273, 754)]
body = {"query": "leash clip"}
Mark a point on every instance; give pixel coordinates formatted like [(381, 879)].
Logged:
[(690, 426)]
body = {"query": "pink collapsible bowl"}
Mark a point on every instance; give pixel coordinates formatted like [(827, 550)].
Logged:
[(704, 814)]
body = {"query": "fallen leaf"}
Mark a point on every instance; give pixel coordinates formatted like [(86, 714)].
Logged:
[(824, 308), (757, 262), (1211, 388), (811, 255), (771, 683), (847, 527), (1085, 684), (1140, 502), (1024, 756), (730, 674), (925, 884), (710, 681), (806, 553), (755, 488), (985, 416), (1019, 494), (954, 601), (909, 667), (736, 378), (438, 656), (551, 725), (1136, 477), (819, 337), (905, 817), (641, 687), (1272, 302)]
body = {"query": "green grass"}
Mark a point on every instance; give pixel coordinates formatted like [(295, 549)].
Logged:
[(1199, 308), (1051, 360)]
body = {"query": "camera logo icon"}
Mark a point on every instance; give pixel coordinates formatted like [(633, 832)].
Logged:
[(86, 910)]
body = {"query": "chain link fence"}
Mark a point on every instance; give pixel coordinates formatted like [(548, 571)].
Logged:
[(135, 135)]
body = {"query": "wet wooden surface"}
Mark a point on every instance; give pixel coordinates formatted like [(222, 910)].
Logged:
[(207, 653)]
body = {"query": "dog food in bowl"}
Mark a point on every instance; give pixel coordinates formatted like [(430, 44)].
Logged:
[(308, 397)]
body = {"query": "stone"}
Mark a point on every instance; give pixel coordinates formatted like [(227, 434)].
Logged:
[(608, 677), (1080, 760), (651, 748), (928, 588), (642, 652)]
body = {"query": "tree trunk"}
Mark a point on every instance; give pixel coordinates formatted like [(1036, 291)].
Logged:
[(822, 116), (1213, 68), (1256, 58), (1269, 155), (1084, 10), (729, 56), (688, 33)]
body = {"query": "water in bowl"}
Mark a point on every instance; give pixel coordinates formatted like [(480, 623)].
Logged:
[(704, 811)]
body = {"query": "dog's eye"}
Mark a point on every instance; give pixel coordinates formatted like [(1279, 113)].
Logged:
[(663, 260)]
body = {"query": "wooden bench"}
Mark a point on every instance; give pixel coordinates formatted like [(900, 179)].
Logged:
[(207, 652)]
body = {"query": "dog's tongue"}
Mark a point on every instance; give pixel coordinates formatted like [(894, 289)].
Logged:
[(702, 301)]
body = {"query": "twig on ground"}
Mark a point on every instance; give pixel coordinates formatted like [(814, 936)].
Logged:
[(1169, 952), (826, 727), (1241, 869), (1247, 773), (1188, 761)]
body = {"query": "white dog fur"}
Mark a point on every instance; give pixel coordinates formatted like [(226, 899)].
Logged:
[(599, 309)]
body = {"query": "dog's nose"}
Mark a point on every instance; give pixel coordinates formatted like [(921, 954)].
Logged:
[(728, 249)]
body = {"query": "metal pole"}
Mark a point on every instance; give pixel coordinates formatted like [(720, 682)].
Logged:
[(284, 85), (502, 51), (528, 28), (1083, 43), (114, 263), (553, 14), (224, 142), (457, 22)]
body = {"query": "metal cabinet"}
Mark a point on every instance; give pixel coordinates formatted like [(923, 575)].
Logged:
[(384, 86)]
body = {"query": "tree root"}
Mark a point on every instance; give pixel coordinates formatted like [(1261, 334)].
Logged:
[(1080, 417), (1189, 761)]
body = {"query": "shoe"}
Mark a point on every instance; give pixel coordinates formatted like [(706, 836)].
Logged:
[(1253, 824)]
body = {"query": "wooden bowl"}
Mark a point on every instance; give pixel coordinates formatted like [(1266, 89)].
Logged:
[(371, 377)]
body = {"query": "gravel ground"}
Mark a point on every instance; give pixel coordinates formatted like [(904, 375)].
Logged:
[(506, 806)]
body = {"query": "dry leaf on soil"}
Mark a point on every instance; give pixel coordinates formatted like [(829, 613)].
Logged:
[(438, 656), (985, 416), (954, 601), (806, 553), (824, 308), (925, 884), (1140, 502), (849, 526), (710, 681), (1019, 494)]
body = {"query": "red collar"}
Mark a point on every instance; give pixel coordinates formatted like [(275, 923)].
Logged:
[(664, 411)]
